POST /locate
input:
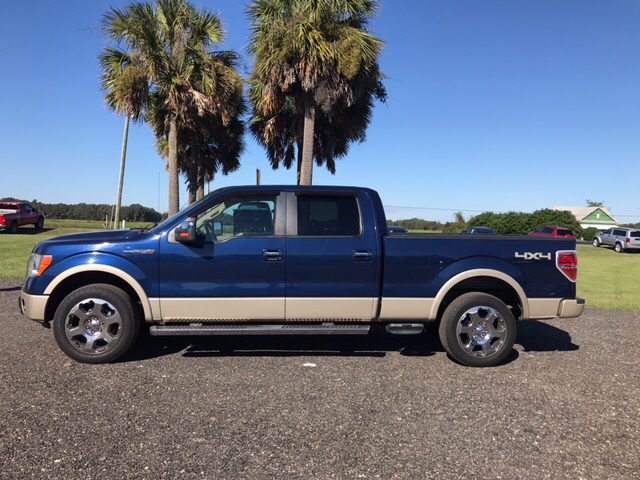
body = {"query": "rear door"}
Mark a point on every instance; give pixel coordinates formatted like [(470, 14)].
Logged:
[(331, 257), (236, 272)]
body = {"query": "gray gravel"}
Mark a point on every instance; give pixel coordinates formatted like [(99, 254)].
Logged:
[(566, 404)]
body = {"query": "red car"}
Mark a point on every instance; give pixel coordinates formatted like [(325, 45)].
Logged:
[(553, 232), (14, 215)]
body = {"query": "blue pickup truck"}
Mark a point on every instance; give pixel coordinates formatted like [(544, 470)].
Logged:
[(294, 260)]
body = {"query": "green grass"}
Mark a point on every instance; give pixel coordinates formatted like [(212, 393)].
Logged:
[(607, 279), (15, 249)]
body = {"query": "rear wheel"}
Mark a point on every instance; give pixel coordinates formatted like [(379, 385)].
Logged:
[(40, 223), (596, 242), (478, 330), (14, 227), (618, 248), (95, 324)]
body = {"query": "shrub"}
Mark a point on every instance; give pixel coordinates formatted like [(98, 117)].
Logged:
[(589, 234)]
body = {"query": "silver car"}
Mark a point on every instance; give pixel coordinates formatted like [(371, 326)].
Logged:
[(620, 239)]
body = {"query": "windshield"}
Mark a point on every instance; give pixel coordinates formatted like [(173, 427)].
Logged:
[(161, 226)]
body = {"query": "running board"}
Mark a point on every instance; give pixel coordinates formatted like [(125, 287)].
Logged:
[(292, 329), (405, 328)]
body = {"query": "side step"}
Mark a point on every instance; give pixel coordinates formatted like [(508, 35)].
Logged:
[(291, 329), (405, 328)]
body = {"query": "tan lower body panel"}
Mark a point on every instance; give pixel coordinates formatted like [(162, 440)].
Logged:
[(406, 308), (34, 305), (332, 308), (221, 309), (540, 308)]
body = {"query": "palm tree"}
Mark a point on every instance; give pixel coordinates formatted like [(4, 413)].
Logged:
[(210, 135), (310, 59), (170, 38), (281, 133), (125, 83)]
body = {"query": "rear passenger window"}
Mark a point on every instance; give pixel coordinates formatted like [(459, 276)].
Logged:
[(328, 216), (619, 232)]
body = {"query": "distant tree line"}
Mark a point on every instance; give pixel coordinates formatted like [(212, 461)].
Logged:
[(91, 211), (416, 224), (518, 223)]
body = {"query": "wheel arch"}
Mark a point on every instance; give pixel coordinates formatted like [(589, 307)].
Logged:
[(81, 275), (483, 280)]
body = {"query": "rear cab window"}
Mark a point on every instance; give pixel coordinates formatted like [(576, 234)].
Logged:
[(563, 232), (328, 216)]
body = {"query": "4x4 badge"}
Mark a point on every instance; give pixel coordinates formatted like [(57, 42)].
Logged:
[(534, 256)]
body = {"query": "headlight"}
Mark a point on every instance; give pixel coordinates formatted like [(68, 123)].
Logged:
[(38, 264)]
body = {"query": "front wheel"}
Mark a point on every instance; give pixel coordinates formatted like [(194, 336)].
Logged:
[(477, 330), (618, 248), (596, 242), (95, 324)]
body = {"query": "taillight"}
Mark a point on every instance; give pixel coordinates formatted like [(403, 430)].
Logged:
[(567, 263), (628, 240)]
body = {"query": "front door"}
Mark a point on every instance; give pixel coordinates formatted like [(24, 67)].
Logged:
[(331, 258), (235, 272)]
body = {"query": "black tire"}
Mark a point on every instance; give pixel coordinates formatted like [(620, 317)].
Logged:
[(13, 228), (40, 223), (618, 248), (483, 342), (79, 324), (596, 242)]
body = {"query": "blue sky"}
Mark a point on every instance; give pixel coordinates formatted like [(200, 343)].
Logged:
[(493, 106)]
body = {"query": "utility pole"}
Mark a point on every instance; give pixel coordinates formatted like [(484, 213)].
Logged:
[(257, 176)]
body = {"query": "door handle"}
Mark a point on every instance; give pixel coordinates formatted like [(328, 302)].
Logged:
[(362, 255), (271, 255)]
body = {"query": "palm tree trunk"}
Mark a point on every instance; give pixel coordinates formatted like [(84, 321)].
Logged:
[(193, 182), (299, 142), (123, 158), (174, 176), (193, 171), (201, 175), (306, 169)]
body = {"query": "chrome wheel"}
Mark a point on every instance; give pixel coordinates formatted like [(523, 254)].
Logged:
[(618, 248), (93, 326), (481, 331), (596, 243)]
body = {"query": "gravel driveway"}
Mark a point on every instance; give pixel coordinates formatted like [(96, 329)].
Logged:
[(565, 404)]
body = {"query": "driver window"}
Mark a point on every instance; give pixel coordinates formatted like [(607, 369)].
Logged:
[(238, 217)]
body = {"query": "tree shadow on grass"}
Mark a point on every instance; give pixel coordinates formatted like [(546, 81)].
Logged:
[(29, 230)]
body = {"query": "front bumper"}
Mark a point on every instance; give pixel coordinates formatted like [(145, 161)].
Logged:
[(33, 306), (571, 308)]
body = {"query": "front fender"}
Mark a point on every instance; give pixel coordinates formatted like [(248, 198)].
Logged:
[(94, 262)]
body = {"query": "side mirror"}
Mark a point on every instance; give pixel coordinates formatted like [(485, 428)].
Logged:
[(217, 228), (186, 232)]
